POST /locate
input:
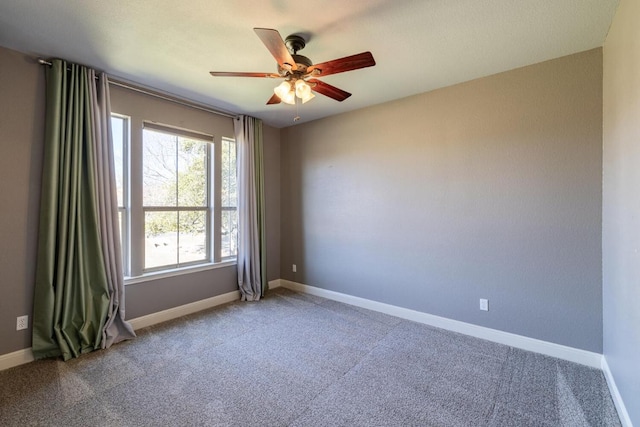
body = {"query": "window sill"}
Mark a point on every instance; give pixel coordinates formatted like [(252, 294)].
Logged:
[(176, 272)]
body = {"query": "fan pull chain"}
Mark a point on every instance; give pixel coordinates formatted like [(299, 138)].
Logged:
[(297, 117)]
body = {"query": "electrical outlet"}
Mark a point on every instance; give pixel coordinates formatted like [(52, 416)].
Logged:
[(484, 304), (294, 268), (22, 323)]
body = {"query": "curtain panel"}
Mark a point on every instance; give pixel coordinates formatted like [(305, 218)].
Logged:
[(78, 299), (252, 275), (116, 329)]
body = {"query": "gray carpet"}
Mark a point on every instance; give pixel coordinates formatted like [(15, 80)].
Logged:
[(298, 360)]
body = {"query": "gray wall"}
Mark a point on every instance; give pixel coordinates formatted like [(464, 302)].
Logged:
[(487, 189), (621, 204), (21, 135), (271, 138), (21, 138)]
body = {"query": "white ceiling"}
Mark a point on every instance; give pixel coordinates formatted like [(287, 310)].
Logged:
[(419, 45)]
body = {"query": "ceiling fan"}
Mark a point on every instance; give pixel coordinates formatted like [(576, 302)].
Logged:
[(298, 71)]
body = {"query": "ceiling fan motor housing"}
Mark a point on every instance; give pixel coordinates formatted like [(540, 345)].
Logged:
[(294, 43), (301, 61)]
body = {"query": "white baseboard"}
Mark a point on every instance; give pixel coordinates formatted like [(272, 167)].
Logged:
[(274, 284), (16, 358), (583, 357), (183, 310), (625, 419)]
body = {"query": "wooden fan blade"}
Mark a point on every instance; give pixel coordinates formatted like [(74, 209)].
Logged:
[(234, 74), (275, 99), (273, 42), (348, 63), (328, 90)]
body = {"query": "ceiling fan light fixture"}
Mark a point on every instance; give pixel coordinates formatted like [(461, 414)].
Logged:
[(282, 89), (307, 97), (285, 92), (302, 89), (289, 98)]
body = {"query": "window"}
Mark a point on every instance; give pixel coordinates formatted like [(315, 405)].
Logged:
[(175, 199), (177, 216), (229, 247), (120, 128)]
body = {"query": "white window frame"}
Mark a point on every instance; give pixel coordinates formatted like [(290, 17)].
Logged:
[(124, 209), (230, 208), (209, 205), (133, 235)]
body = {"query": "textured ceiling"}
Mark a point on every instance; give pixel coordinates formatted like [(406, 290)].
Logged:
[(419, 45)]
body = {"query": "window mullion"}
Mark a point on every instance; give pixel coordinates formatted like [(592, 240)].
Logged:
[(136, 225), (217, 195), (126, 191), (177, 201), (210, 199)]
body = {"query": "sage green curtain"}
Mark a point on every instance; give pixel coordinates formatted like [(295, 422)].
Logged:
[(252, 266), (72, 299)]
